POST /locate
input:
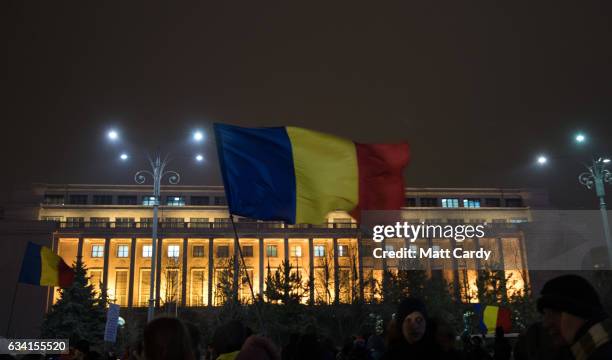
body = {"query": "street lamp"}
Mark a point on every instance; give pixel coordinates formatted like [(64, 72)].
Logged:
[(597, 175), (580, 138), (542, 160), (157, 173)]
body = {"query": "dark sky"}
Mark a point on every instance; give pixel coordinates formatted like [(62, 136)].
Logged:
[(478, 89)]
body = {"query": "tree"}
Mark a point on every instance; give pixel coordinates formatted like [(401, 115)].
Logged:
[(78, 314), (285, 285)]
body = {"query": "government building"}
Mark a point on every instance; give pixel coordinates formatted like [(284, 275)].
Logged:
[(109, 227)]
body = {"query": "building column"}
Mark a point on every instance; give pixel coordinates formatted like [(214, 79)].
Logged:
[(286, 249), (211, 269), (184, 281), (336, 277), (80, 248), (158, 269), (360, 267), (457, 290), (500, 249), (311, 272), (105, 269), (261, 267), (132, 265)]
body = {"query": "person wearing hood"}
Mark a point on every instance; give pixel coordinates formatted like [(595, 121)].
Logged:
[(414, 341), (573, 314)]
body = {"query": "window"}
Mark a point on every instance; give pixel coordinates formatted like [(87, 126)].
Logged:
[(471, 203), (342, 250), (200, 200), (221, 223), (97, 251), (173, 223), (148, 200), (121, 287), (296, 251), (124, 222), (145, 287), (78, 199), (429, 202), (175, 200), (410, 202), (220, 200), (198, 223), (222, 251), (51, 218), (198, 251), (122, 251), (53, 200), (389, 247), (173, 251), (103, 199), (492, 202), (247, 251), (74, 222), (516, 202), (342, 223), (127, 200), (147, 251), (146, 223), (450, 203), (99, 222), (319, 250), (95, 278), (271, 250), (197, 287), (518, 220)]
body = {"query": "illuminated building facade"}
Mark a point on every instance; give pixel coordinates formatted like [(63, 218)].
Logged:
[(110, 228)]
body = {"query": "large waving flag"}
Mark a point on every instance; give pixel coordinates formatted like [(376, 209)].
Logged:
[(298, 175), (41, 266)]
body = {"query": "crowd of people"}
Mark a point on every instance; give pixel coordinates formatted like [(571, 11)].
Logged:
[(574, 326)]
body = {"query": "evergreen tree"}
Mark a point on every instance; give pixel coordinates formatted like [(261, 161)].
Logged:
[(78, 314), (285, 285)]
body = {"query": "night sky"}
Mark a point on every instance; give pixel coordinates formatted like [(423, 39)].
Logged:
[(478, 90)]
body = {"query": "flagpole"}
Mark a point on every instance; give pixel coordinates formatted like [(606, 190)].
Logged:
[(236, 270), (10, 319)]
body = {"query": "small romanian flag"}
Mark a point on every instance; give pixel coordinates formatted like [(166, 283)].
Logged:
[(41, 266), (299, 176), (493, 316)]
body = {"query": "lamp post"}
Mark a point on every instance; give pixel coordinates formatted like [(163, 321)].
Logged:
[(157, 173), (597, 175)]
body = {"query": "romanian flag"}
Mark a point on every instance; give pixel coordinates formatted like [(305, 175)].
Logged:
[(298, 175), (493, 316), (41, 266)]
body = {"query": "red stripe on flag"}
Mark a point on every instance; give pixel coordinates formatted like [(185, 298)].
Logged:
[(504, 319), (66, 274), (381, 179)]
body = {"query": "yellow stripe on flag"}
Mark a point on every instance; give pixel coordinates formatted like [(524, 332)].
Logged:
[(49, 274), (326, 174), (490, 318)]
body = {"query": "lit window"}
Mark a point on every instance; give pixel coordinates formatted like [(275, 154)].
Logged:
[(147, 251), (342, 250), (471, 203), (413, 247), (148, 200), (122, 251), (296, 251), (223, 251), (450, 203), (389, 247), (271, 251), (97, 251), (173, 251), (319, 250), (175, 201)]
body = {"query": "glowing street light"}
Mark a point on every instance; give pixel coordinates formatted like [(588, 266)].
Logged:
[(199, 158), (580, 138), (123, 156), (542, 160), (198, 136), (113, 135)]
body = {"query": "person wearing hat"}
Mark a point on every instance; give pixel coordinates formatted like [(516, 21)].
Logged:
[(573, 314), (414, 339)]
